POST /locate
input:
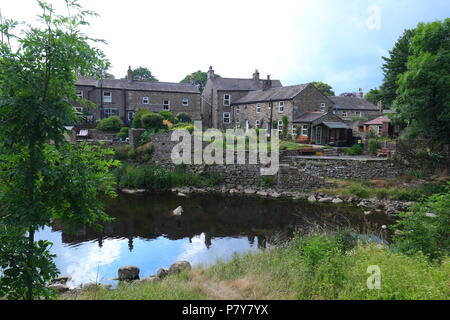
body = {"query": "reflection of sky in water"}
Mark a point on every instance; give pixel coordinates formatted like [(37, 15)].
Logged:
[(85, 262)]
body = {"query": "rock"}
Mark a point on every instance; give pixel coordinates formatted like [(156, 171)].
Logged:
[(180, 194), (128, 273), (274, 194), (312, 198), (325, 200), (162, 273), (61, 280), (133, 191), (367, 213), (337, 201), (430, 215), (179, 266), (249, 191), (145, 280), (178, 211), (233, 191), (59, 287), (262, 193)]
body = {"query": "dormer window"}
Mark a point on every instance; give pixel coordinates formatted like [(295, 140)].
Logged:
[(322, 107), (145, 100), (107, 96), (226, 99), (281, 107)]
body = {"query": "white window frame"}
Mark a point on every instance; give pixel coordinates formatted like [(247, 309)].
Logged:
[(128, 115), (305, 130), (80, 94), (344, 114), (185, 102), (145, 100), (166, 105), (281, 106), (78, 110), (227, 117), (107, 98), (227, 99), (323, 106), (258, 108), (280, 125), (358, 114), (110, 113)]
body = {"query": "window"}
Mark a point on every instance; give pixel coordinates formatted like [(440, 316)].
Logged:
[(226, 117), (108, 112), (345, 114), (226, 99), (166, 105), (78, 110), (305, 130), (358, 113), (294, 130), (185, 102), (258, 108), (380, 130), (130, 115), (145, 100), (107, 96), (280, 125), (322, 107), (238, 109), (281, 106), (257, 123), (80, 94), (237, 120)]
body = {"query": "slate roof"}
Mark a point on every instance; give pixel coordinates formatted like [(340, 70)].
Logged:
[(336, 125), (378, 121), (138, 85), (353, 103), (274, 94), (309, 117), (234, 84)]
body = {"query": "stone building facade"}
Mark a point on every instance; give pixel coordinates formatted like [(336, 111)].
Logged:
[(123, 97), (220, 93)]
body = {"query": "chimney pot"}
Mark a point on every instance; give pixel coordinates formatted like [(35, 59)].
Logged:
[(210, 73), (256, 75), (130, 74)]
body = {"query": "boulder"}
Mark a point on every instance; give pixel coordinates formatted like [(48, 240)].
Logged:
[(180, 194), (59, 287), (337, 201), (325, 200), (430, 215), (312, 198), (249, 191), (178, 211), (128, 273), (262, 193), (162, 273), (179, 266)]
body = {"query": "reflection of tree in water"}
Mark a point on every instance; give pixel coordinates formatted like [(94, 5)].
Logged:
[(216, 216)]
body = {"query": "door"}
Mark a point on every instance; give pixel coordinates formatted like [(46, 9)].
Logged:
[(319, 135)]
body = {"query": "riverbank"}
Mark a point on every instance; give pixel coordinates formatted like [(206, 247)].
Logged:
[(313, 267)]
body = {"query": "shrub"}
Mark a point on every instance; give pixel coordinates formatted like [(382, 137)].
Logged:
[(268, 181), (169, 116), (112, 123), (426, 228), (186, 126), (145, 137), (123, 134), (145, 152), (354, 150), (184, 117), (153, 121), (372, 146), (121, 152), (358, 190)]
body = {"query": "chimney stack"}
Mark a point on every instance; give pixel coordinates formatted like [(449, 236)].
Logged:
[(130, 75), (360, 93), (380, 106), (267, 83), (210, 73), (256, 75)]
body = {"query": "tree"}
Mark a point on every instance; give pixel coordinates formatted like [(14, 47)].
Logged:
[(423, 100), (325, 88), (143, 74), (374, 96), (394, 66), (198, 78), (43, 178)]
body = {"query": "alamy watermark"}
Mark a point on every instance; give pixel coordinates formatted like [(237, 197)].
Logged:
[(374, 280), (373, 22), (234, 146)]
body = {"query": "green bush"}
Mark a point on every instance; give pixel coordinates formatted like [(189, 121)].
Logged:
[(268, 181), (354, 150), (187, 126), (121, 153), (169, 116), (426, 228), (184, 117), (137, 119), (123, 134), (358, 190), (372, 146), (145, 137), (153, 121), (112, 123)]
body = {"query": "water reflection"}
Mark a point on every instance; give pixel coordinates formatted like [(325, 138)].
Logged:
[(147, 235)]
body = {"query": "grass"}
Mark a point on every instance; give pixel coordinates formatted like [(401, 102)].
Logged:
[(310, 267), (393, 189)]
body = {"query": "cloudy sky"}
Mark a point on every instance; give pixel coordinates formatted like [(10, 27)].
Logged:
[(340, 42)]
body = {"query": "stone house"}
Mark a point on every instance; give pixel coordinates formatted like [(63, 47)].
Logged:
[(355, 111), (381, 126), (123, 97), (304, 106), (219, 94)]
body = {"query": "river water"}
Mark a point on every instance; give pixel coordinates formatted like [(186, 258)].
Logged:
[(144, 232)]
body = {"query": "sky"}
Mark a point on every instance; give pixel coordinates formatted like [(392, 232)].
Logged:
[(340, 42)]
